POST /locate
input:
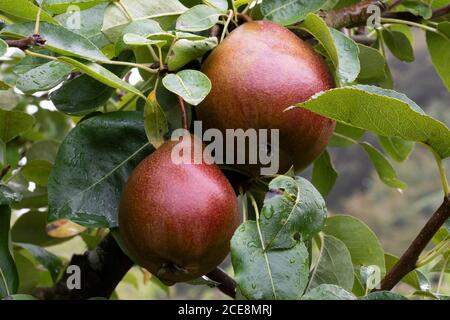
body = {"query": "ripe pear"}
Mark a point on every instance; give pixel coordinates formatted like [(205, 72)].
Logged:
[(257, 72), (177, 219)]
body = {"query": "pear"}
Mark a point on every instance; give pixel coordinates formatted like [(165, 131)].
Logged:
[(257, 72), (177, 217)]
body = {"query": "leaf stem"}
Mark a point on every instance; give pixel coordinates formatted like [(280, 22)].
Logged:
[(410, 23), (38, 20), (131, 64), (441, 276), (40, 55), (442, 172), (121, 6), (244, 204), (227, 23), (184, 118), (434, 253), (255, 207)]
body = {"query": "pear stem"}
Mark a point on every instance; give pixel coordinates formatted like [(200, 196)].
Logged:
[(184, 117)]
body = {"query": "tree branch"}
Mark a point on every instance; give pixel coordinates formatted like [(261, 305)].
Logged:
[(26, 43), (101, 271), (408, 260), (227, 284)]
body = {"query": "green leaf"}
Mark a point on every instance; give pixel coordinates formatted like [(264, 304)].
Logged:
[(102, 75), (50, 261), (3, 47), (439, 48), (334, 265), (8, 196), (399, 44), (383, 295), (83, 94), (286, 12), (363, 245), (342, 50), (296, 210), (324, 174), (14, 123), (184, 51), (198, 18), (264, 275), (29, 273), (37, 222), (193, 86), (90, 22), (155, 121), (219, 4), (144, 28), (328, 292), (116, 20), (384, 168), (92, 165), (132, 39), (345, 135), (37, 171), (43, 150), (373, 65), (9, 279), (384, 112), (24, 9), (44, 77), (397, 148), (60, 40), (416, 7), (61, 6)]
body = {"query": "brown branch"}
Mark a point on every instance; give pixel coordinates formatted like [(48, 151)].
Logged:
[(101, 271), (227, 284), (441, 12), (26, 43), (184, 117), (408, 260)]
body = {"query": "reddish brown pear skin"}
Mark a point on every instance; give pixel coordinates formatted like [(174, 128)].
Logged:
[(177, 220), (257, 72)]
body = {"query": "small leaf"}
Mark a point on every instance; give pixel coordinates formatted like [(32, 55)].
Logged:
[(184, 51), (345, 136), (324, 174), (416, 7), (44, 77), (9, 279), (198, 18), (143, 28), (264, 275), (193, 86), (397, 148), (50, 261), (63, 229), (328, 292), (439, 48), (14, 123), (24, 9), (133, 39), (399, 44), (342, 50), (384, 168), (334, 265), (294, 211), (289, 12), (37, 171), (384, 112), (155, 121), (372, 65), (362, 243)]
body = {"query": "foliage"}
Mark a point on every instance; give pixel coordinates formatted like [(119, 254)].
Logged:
[(63, 169)]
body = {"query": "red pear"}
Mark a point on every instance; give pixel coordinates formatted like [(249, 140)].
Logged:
[(257, 72), (177, 219)]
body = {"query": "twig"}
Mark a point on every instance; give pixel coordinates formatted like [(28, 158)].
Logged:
[(26, 43), (184, 117), (227, 284), (441, 12), (101, 270), (408, 260)]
